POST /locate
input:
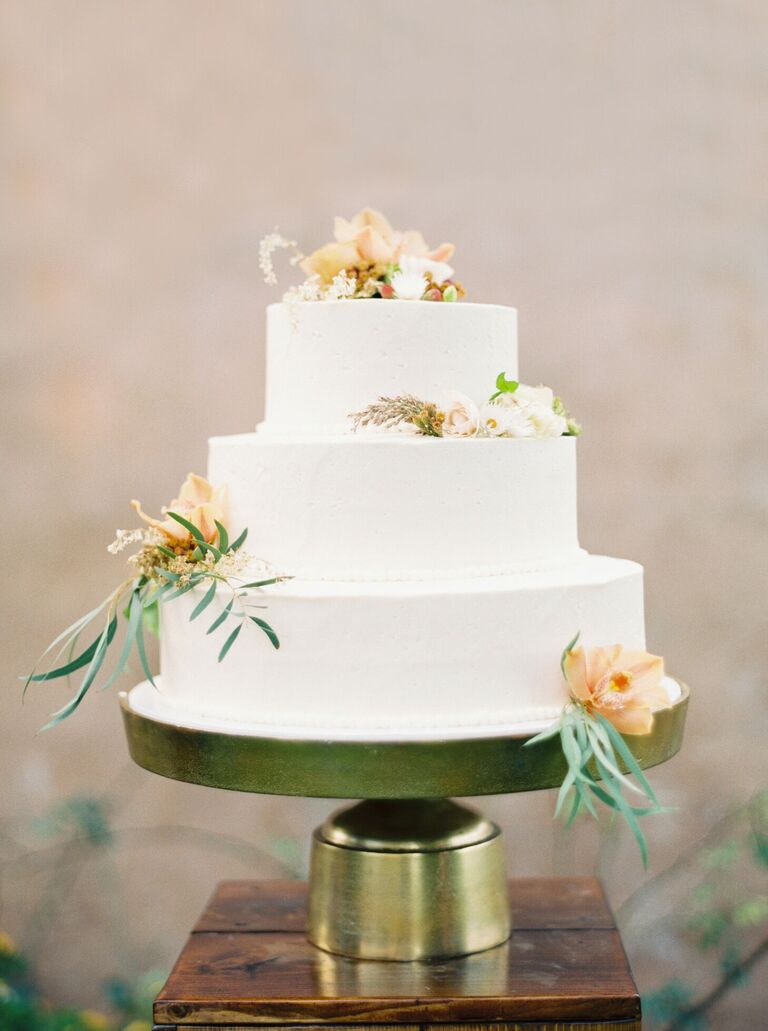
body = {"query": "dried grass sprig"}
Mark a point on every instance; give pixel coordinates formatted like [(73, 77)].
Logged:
[(389, 411)]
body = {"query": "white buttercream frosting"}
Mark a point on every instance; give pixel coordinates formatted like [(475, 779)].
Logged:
[(409, 655), (397, 507)]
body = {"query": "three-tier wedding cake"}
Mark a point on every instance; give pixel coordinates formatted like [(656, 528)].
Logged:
[(430, 539), (392, 556)]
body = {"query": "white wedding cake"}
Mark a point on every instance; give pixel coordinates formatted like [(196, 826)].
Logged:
[(435, 576)]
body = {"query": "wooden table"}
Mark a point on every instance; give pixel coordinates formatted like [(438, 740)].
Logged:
[(248, 964)]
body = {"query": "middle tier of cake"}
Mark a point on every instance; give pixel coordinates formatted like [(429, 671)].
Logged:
[(396, 507)]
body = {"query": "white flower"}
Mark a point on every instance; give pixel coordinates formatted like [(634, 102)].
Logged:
[(439, 270), (343, 286), (536, 404), (505, 421), (409, 283), (546, 422), (525, 396), (462, 417)]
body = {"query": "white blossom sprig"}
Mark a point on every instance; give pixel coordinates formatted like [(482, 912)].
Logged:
[(268, 245)]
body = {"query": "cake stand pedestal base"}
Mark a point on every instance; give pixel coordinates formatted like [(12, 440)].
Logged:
[(248, 964), (408, 879)]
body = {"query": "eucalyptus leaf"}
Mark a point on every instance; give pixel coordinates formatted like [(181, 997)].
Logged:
[(140, 648), (568, 648), (223, 537), (135, 614), (167, 574), (230, 641), (90, 675), (204, 546), (204, 602), (626, 754), (82, 660), (184, 589), (221, 617), (237, 544), (67, 636), (150, 616), (267, 630), (614, 790), (196, 533)]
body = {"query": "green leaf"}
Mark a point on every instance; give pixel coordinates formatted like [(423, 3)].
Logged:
[(230, 641), (143, 654), (150, 615), (135, 612), (267, 630), (613, 789), (220, 618), (197, 534), (82, 660), (192, 582), (626, 754), (204, 602), (96, 663), (68, 636), (223, 537), (167, 574), (204, 546), (166, 551), (504, 385), (545, 735), (605, 754), (240, 541), (568, 648), (263, 583)]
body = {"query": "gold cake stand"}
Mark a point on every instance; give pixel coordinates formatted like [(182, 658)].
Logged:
[(406, 874)]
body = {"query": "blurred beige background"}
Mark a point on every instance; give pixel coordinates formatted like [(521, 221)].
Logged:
[(601, 165)]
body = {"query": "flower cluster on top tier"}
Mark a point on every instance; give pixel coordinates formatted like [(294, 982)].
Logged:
[(368, 258), (514, 410)]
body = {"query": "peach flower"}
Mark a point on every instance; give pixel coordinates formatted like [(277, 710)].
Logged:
[(624, 686), (199, 503), (368, 239)]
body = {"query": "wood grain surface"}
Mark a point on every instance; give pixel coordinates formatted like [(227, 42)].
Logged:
[(248, 964)]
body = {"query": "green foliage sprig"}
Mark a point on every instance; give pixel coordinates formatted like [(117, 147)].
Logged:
[(138, 599), (598, 760)]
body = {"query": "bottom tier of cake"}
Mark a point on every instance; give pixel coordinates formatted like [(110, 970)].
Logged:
[(386, 658)]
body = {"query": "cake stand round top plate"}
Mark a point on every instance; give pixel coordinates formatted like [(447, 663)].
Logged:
[(484, 762)]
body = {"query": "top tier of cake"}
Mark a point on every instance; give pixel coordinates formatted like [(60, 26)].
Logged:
[(326, 360)]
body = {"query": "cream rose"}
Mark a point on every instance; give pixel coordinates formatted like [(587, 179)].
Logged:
[(462, 416)]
